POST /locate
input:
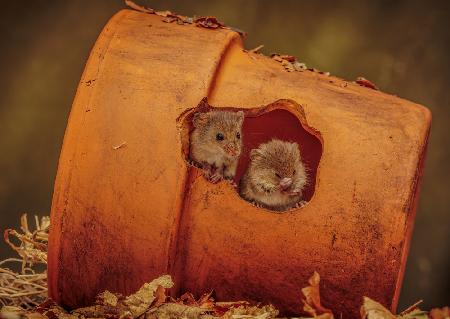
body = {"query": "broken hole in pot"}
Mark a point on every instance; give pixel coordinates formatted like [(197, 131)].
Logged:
[(283, 120)]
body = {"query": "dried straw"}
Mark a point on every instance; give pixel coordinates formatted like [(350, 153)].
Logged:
[(28, 287)]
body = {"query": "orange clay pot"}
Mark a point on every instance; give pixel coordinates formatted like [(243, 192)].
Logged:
[(127, 207)]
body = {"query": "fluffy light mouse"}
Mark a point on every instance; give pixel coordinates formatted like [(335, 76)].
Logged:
[(276, 176)]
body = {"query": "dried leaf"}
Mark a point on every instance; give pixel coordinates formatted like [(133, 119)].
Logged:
[(364, 82), (98, 311), (276, 57), (187, 299), (107, 298), (9, 312), (170, 19), (220, 308), (415, 314), (440, 313), (289, 58), (160, 296), (139, 302), (206, 301), (265, 312), (208, 22), (52, 311), (175, 311), (374, 310), (312, 304)]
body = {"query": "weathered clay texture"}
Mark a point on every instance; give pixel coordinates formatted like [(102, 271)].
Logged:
[(125, 215)]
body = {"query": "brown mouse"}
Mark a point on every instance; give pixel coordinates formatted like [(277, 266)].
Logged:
[(275, 177), (216, 143)]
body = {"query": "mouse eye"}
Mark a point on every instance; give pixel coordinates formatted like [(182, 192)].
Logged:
[(293, 173), (238, 135), (219, 137), (277, 175)]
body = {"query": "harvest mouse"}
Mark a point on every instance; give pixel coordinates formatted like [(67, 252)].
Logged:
[(276, 176), (216, 143)]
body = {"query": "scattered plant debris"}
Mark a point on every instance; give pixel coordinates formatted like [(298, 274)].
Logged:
[(366, 83), (290, 63), (374, 310), (169, 17), (24, 295), (208, 22)]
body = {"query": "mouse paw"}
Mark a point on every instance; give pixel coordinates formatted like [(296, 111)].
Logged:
[(215, 178), (193, 163), (257, 205), (228, 177), (300, 204), (232, 183)]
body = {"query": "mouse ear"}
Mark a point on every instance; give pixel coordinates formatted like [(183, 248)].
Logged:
[(200, 119), (255, 153), (240, 116)]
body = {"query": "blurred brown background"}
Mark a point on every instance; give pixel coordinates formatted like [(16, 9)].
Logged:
[(402, 46)]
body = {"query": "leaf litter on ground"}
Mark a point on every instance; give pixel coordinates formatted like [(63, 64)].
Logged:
[(23, 294)]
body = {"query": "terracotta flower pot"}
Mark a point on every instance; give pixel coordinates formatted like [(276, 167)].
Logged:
[(127, 207)]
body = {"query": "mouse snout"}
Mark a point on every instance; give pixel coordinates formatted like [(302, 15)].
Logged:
[(285, 183), (231, 149)]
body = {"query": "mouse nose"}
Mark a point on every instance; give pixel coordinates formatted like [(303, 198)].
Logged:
[(231, 149), (285, 183)]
